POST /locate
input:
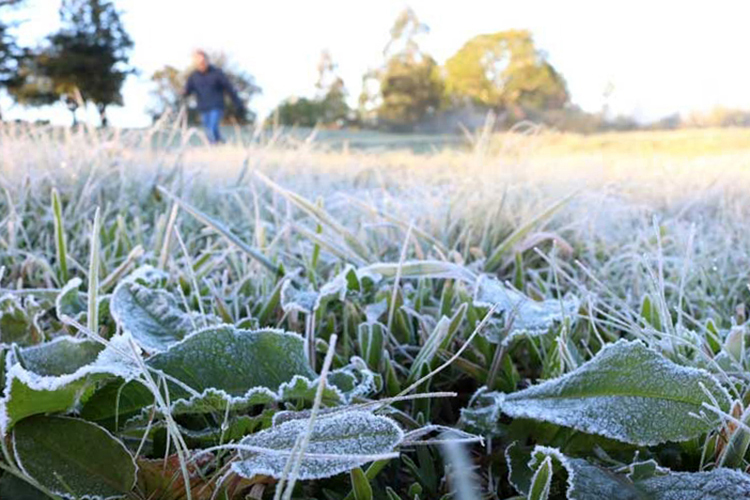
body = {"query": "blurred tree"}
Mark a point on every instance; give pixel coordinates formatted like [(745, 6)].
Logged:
[(411, 90), (170, 83), (299, 111), (10, 52), (409, 87), (504, 71), (331, 92), (329, 107), (85, 62)]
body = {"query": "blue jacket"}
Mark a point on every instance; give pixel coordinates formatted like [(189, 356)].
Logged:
[(209, 89)]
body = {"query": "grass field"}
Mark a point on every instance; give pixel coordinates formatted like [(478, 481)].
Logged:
[(528, 315)]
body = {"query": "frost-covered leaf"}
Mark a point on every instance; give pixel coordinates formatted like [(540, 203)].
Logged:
[(297, 298), (526, 316), (541, 481), (418, 269), (718, 484), (430, 348), (587, 481), (17, 323), (240, 368), (353, 380), (73, 458), (225, 368), (56, 376), (118, 400), (519, 473), (74, 303), (339, 442), (70, 301), (152, 316), (627, 392), (61, 356), (234, 361)]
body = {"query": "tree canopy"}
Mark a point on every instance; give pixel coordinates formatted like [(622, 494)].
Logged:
[(85, 61), (409, 86), (328, 107), (504, 70)]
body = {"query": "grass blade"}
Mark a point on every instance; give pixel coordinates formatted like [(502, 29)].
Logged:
[(60, 243), (226, 232), (494, 261), (93, 309)]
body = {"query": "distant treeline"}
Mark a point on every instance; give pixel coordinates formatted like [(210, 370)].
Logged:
[(87, 61)]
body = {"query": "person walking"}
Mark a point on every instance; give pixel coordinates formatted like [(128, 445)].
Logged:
[(210, 84)]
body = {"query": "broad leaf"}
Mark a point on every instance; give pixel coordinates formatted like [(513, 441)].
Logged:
[(587, 481), (718, 484), (521, 313), (73, 458), (617, 394), (338, 443), (59, 375), (307, 301), (73, 303), (70, 301), (225, 368), (17, 323), (61, 356), (234, 361), (14, 488), (150, 315)]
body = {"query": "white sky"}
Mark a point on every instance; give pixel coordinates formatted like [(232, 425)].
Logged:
[(661, 56)]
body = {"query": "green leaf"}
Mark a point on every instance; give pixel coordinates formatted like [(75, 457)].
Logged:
[(152, 316), (370, 474), (587, 481), (718, 484), (59, 375), (73, 458), (519, 474), (541, 481), (234, 361), (617, 395), (70, 301), (360, 485), (116, 398), (14, 488), (523, 315), (227, 368), (16, 323), (62, 356), (309, 301), (338, 443)]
